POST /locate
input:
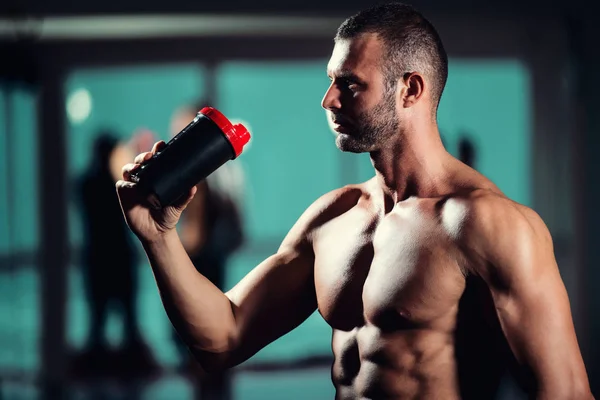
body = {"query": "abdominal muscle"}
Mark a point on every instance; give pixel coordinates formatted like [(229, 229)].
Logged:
[(407, 364)]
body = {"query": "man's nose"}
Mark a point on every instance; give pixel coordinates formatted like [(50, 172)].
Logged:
[(331, 100)]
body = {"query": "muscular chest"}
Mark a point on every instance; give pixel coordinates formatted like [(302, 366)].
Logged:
[(397, 271)]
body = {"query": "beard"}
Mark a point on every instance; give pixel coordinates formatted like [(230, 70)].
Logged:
[(371, 129)]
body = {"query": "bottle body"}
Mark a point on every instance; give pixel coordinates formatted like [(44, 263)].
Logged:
[(203, 146)]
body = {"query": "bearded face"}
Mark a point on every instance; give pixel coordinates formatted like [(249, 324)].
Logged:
[(370, 129)]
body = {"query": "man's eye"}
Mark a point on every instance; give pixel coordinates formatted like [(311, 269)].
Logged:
[(353, 86)]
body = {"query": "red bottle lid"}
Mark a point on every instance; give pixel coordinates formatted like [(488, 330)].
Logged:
[(236, 134)]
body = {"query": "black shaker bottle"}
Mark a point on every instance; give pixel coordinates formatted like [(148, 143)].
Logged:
[(208, 142)]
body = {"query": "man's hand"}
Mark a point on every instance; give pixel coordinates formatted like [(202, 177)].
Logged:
[(147, 223)]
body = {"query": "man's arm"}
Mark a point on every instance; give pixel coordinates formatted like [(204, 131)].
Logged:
[(512, 251), (223, 330)]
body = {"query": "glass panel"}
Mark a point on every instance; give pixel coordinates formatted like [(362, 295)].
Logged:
[(121, 101), (19, 283), (24, 166), (4, 175)]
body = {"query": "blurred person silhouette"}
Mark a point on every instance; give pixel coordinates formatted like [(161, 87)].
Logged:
[(109, 276), (466, 151), (211, 230)]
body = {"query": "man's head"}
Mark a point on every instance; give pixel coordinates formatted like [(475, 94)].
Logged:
[(388, 65)]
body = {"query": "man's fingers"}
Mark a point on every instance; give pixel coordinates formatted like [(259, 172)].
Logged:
[(127, 170), (128, 194), (145, 156), (158, 146), (140, 158), (124, 185), (184, 200)]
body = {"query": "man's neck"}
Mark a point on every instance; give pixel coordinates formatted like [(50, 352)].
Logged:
[(415, 164)]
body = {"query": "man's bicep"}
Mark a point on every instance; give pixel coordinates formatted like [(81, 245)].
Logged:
[(534, 311), (274, 298)]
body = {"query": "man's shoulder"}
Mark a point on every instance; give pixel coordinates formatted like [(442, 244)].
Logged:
[(323, 209), (334, 203), (336, 197), (495, 225), (492, 212)]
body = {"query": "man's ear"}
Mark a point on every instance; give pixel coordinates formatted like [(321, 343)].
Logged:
[(413, 89)]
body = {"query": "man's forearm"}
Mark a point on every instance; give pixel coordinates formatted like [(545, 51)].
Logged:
[(565, 387), (575, 394), (200, 312)]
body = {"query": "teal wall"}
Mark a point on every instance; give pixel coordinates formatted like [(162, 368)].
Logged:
[(19, 230), (18, 163)]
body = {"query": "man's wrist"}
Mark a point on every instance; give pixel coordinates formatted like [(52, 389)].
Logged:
[(163, 239)]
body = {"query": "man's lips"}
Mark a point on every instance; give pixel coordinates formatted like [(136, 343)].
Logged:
[(341, 125), (340, 128)]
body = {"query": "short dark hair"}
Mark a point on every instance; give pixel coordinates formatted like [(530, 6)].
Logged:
[(412, 43)]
